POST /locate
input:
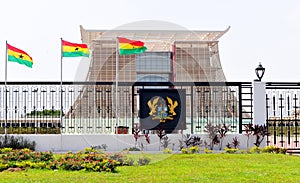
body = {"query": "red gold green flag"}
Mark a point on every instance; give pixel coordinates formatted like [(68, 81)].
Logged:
[(16, 55), (128, 47), (74, 50)]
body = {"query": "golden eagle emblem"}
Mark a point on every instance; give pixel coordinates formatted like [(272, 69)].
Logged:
[(172, 106), (153, 106), (160, 110)]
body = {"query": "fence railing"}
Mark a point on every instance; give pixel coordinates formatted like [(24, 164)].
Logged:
[(283, 114), (89, 107)]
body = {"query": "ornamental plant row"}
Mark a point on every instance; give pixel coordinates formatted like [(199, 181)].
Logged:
[(88, 160)]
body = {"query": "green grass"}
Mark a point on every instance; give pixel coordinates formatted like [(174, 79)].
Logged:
[(181, 168)]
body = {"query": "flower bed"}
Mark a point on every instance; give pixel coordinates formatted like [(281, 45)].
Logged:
[(88, 160)]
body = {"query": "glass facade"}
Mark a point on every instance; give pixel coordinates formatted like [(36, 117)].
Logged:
[(154, 67)]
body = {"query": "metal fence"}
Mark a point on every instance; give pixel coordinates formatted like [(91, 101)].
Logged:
[(283, 114), (90, 107)]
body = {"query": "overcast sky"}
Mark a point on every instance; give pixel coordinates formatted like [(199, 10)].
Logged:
[(266, 31)]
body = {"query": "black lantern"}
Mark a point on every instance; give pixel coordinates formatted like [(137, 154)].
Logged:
[(260, 71)]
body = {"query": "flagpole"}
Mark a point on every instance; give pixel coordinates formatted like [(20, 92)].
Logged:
[(61, 56), (117, 80), (61, 89), (6, 63), (5, 87)]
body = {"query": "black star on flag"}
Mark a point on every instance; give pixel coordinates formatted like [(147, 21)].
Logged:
[(21, 56), (76, 49)]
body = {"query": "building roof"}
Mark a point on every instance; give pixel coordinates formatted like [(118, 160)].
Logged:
[(155, 40)]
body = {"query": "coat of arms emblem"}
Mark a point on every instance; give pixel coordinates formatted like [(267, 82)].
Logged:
[(162, 110)]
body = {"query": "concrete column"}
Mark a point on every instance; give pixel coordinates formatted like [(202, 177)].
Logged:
[(259, 102)]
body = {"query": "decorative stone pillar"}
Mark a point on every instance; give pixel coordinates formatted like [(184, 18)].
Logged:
[(259, 102)]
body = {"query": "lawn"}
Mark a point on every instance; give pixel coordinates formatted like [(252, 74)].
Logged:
[(181, 168)]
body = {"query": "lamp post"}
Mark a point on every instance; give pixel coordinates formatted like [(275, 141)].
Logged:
[(260, 71), (259, 97)]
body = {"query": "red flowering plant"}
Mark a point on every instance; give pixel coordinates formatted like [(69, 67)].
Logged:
[(222, 130), (137, 135), (160, 133), (147, 138), (212, 131), (249, 132), (258, 131)]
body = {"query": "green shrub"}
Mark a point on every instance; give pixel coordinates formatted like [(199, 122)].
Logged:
[(193, 149), (9, 141), (6, 150), (90, 150), (274, 149), (282, 150), (117, 157), (256, 149), (184, 151), (190, 150), (26, 154), (87, 160), (96, 162), (128, 161), (270, 149), (143, 160), (231, 150), (3, 166), (207, 151), (23, 164), (132, 149), (100, 147), (242, 151), (167, 151), (38, 165), (53, 165)]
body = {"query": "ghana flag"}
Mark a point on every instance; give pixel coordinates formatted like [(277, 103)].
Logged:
[(74, 49), (128, 47), (16, 55)]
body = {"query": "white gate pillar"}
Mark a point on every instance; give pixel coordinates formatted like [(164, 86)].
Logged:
[(259, 103)]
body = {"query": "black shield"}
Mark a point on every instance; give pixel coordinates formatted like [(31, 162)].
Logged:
[(162, 109)]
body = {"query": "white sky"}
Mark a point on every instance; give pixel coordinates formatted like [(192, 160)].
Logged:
[(261, 31)]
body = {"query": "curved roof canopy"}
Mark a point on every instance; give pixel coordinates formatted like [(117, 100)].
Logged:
[(155, 40)]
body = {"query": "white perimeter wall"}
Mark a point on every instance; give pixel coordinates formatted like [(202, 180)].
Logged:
[(64, 143)]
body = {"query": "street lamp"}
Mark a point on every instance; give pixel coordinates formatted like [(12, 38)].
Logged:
[(260, 70)]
